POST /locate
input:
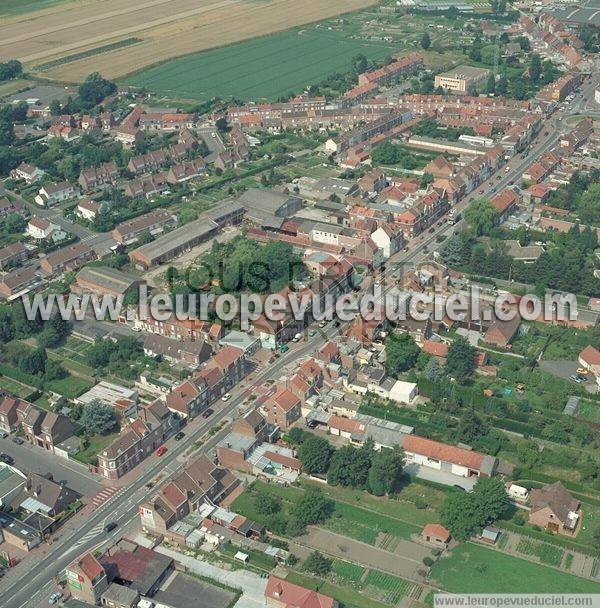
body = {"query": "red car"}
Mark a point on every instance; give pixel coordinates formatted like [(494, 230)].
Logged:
[(161, 450)]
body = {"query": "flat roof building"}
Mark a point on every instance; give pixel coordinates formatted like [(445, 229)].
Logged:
[(462, 79)]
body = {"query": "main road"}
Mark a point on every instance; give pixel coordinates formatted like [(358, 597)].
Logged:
[(123, 508)]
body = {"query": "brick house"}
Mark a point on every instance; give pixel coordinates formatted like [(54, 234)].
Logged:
[(137, 441), (554, 509), (9, 418), (283, 409), (280, 593)]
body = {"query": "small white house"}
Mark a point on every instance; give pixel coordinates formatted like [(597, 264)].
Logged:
[(403, 392), (87, 210), (40, 228)]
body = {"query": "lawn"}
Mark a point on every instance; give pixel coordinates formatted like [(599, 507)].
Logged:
[(16, 388), (471, 568), (262, 68), (96, 443), (70, 387), (588, 410)]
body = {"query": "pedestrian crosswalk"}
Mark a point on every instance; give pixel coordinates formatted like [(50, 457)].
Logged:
[(103, 496)]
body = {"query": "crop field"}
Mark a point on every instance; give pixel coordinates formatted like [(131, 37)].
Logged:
[(547, 554), (389, 589), (167, 29), (266, 67)]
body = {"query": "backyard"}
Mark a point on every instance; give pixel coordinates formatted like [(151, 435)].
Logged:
[(472, 568)]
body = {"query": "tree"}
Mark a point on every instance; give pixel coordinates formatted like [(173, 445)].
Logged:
[(359, 64), (433, 369), (349, 466), (11, 69), (98, 418), (318, 564), (385, 471), (95, 89), (490, 87), (312, 508), (402, 353), (482, 216), (535, 68), (34, 362), (460, 360), (425, 41), (502, 85), (315, 454), (465, 514), (266, 504), (55, 107)]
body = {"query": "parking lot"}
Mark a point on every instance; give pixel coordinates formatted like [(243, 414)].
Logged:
[(36, 460), (184, 591)]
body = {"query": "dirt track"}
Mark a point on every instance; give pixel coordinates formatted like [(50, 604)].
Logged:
[(169, 28)]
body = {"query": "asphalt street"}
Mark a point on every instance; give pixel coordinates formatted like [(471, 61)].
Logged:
[(30, 459)]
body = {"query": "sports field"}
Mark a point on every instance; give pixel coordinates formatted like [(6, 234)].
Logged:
[(263, 68)]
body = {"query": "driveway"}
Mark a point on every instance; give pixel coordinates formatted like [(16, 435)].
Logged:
[(36, 460), (252, 585), (565, 368), (447, 479), (184, 591)]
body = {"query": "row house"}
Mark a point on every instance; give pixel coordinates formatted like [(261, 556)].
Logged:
[(154, 222), (19, 281), (46, 429), (136, 441), (67, 259), (505, 203), (201, 481), (540, 170), (167, 121), (393, 71), (13, 255), (247, 432), (184, 172), (99, 177), (64, 132), (9, 412), (147, 186), (189, 399), (182, 329), (191, 352)]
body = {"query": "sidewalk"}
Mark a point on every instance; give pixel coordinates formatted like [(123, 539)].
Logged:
[(252, 586)]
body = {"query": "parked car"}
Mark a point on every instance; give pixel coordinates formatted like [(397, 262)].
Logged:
[(110, 526), (3, 434), (179, 436), (322, 323), (576, 378), (18, 440), (53, 599), (208, 413), (6, 458), (582, 371), (161, 450)]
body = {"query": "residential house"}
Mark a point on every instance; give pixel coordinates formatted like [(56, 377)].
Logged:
[(154, 222), (7, 207), (40, 228), (87, 209), (280, 593), (41, 493), (389, 239), (137, 441), (47, 429), (589, 358), (55, 193), (87, 579), (500, 333), (67, 259), (191, 352), (9, 419), (283, 408), (26, 172), (451, 459), (505, 203), (436, 534), (96, 178), (12, 255), (554, 509), (18, 281)]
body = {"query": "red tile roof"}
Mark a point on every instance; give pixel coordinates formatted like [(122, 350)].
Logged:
[(443, 452), (90, 566), (437, 531), (590, 355), (285, 399), (294, 596)]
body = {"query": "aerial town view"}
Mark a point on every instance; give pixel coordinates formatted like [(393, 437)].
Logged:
[(299, 303)]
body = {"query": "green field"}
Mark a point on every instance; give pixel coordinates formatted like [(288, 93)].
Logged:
[(471, 568), (17, 7), (389, 589), (547, 554), (262, 68)]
